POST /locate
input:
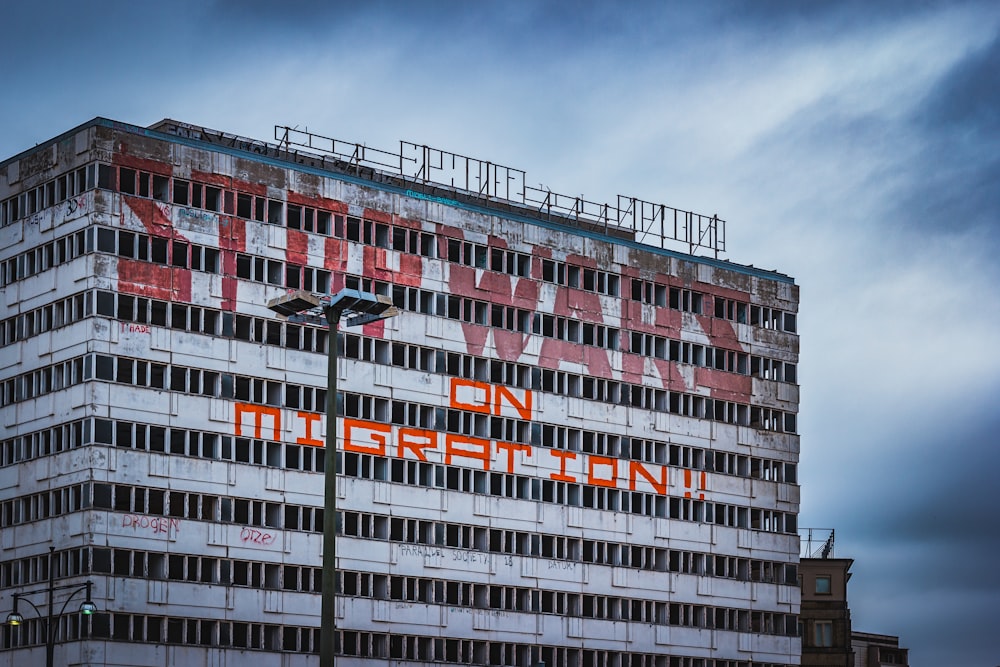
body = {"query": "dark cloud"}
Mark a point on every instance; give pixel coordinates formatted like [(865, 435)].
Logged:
[(953, 185), (931, 170), (938, 490), (919, 518), (967, 99)]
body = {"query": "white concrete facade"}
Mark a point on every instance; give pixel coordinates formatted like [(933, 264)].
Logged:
[(568, 448)]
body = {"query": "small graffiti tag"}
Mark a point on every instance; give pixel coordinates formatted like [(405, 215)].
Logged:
[(254, 536), (158, 525)]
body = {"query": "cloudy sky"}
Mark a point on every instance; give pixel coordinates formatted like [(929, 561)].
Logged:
[(853, 145)]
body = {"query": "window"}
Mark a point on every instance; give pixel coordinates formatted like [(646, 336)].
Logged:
[(823, 633), (823, 584)]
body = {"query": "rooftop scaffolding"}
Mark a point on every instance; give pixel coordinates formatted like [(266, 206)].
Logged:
[(433, 173)]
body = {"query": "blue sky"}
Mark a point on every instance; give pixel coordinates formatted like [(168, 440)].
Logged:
[(853, 145)]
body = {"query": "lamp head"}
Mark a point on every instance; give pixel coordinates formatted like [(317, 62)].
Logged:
[(14, 618), (294, 303), (362, 307), (88, 607), (359, 307)]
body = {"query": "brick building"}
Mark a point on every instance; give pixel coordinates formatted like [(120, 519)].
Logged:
[(828, 636)]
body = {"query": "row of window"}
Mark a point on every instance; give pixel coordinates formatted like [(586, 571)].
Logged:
[(176, 253), (128, 244), (661, 347), (685, 300), (207, 570), (354, 405), (658, 294), (50, 193), (157, 502), (45, 504), (184, 317), (183, 192), (201, 507), (508, 429), (277, 272), (478, 652), (139, 309), (159, 630), (146, 437), (142, 310), (181, 316), (562, 547), (215, 446), (578, 277), (433, 533), (52, 440), (207, 507), (421, 473), (271, 331), (271, 392), (46, 256), (216, 384), (153, 565), (158, 565), (47, 379), (401, 588), (159, 250), (124, 627), (663, 453), (35, 569), (60, 313)]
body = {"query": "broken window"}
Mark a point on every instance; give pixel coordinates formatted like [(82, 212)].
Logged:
[(161, 188), (179, 254), (181, 192), (294, 216), (212, 198), (244, 205), (274, 212), (323, 222), (126, 180)]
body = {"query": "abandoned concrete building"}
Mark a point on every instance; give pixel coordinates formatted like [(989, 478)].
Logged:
[(575, 445)]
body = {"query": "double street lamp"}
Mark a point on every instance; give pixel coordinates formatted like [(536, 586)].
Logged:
[(14, 618), (359, 308)]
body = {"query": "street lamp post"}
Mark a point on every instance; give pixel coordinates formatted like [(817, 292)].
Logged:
[(360, 308), (87, 608)]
